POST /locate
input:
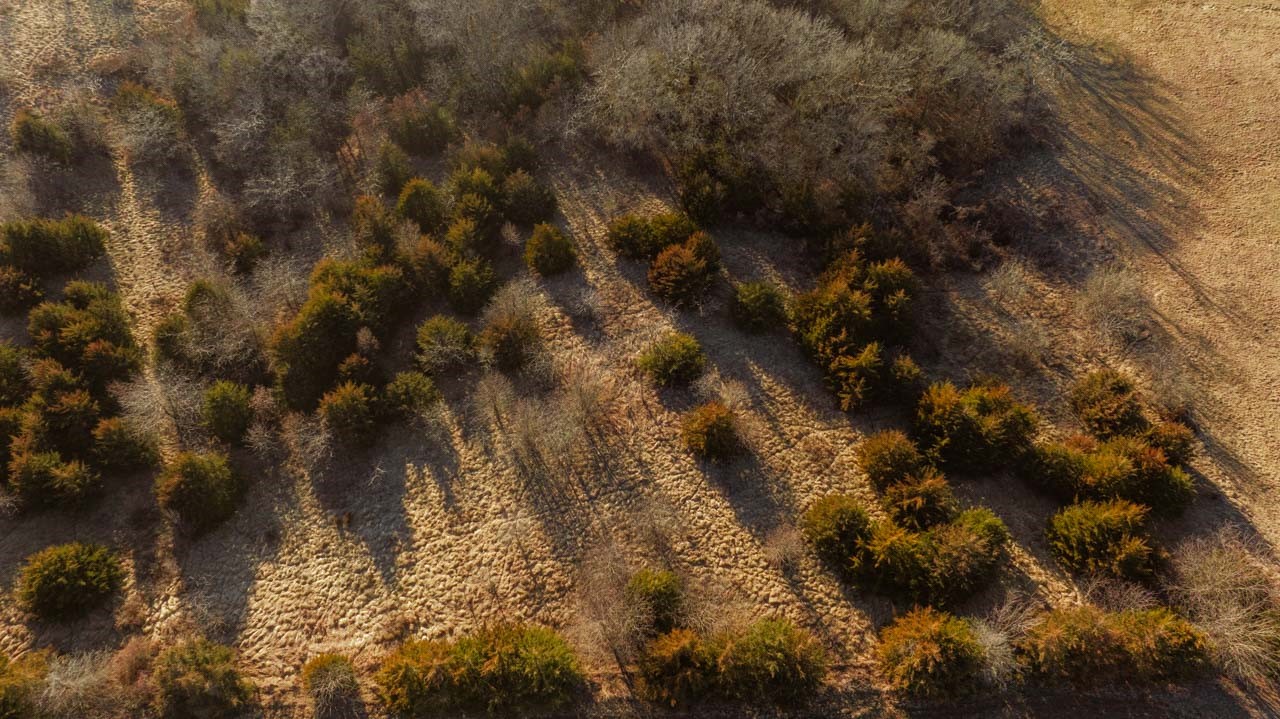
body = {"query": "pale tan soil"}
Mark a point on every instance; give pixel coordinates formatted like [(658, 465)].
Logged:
[(1172, 164)]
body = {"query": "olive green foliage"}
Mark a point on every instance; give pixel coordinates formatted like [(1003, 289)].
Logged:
[(352, 411), (661, 594), (419, 125), (43, 479), (982, 428), (838, 528), (444, 345), (471, 283), (508, 340), (31, 132), (244, 251), (758, 307), (675, 359), (18, 291), (768, 661), (197, 678), (68, 580), (391, 169), (422, 203), (845, 322), (919, 503), (411, 393), (119, 446), (549, 251), (682, 274), (1103, 537), (1085, 645), (710, 431), (200, 489), (525, 202), (89, 333), (636, 237), (548, 71), (942, 565), (344, 296), (502, 669), (930, 653), (1120, 468), (14, 386), (1174, 439), (1107, 403), (889, 457), (215, 15), (226, 411), (20, 680)]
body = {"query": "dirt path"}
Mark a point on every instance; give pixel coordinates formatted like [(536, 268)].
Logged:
[(1202, 144)]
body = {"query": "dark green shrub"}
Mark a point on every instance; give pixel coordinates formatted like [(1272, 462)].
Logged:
[(358, 368), (981, 428), (14, 386), (889, 457), (525, 202), (307, 350), (942, 565), (502, 669), (410, 394), (90, 332), (476, 181), (419, 125), (930, 653), (121, 447), (1104, 537), (68, 580), (678, 668), (486, 221), (493, 160), (661, 593), (465, 239), (170, 337), (772, 660), (63, 422), (331, 682), (421, 203), (226, 412), (391, 169), (535, 82), (758, 307), (197, 678), (43, 247), (1107, 403), (1175, 439), (679, 277), (32, 133), (705, 249), (919, 503), (374, 228), (509, 339), (471, 284), (200, 489), (431, 262), (831, 321), (216, 15), (10, 427), (1085, 645), (1121, 468), (42, 479), (444, 344), (351, 411), (20, 681), (857, 378), (905, 379), (549, 251), (19, 291), (838, 528), (676, 359), (636, 237), (377, 294), (710, 431)]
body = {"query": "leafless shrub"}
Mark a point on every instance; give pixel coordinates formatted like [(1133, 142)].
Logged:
[(222, 336), (999, 632), (658, 526), (606, 614), (83, 686), (1113, 301), (278, 287), (1222, 583), (588, 394), (1010, 284), (493, 398), (163, 399), (147, 135), (1027, 343), (784, 546), (1117, 595), (711, 607), (1173, 385), (308, 441)]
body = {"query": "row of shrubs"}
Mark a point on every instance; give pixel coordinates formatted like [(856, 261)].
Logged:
[(931, 653), (58, 429), (35, 249), (684, 261)]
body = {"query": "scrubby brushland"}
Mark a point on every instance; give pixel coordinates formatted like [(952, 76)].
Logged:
[(419, 358)]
